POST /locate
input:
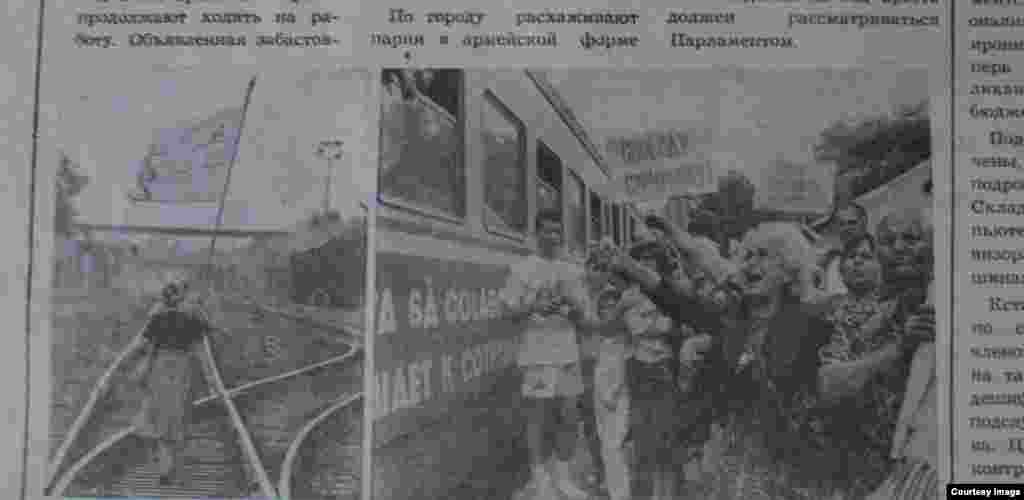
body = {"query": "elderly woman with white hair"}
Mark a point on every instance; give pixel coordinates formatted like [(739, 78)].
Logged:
[(763, 368), (757, 369), (176, 326), (765, 375)]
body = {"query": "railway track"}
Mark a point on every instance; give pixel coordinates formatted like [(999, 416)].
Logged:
[(282, 422)]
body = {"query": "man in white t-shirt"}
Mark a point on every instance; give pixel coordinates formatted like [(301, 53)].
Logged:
[(550, 298)]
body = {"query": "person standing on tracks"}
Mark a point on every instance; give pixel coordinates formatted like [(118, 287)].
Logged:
[(176, 327), (550, 296)]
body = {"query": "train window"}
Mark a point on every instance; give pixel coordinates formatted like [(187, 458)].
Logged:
[(504, 168), (549, 179), (608, 230), (576, 218), (596, 215), (617, 224), (421, 140)]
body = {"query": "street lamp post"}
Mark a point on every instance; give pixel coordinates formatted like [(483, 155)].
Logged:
[(330, 151)]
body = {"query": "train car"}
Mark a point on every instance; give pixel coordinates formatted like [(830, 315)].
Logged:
[(468, 157)]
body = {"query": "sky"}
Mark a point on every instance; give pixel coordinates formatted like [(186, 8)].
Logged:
[(277, 179), (754, 116)]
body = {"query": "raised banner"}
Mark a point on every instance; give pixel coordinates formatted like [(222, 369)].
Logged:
[(661, 183), (656, 165), (189, 164)]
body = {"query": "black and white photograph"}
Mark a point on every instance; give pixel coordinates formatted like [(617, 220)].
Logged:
[(209, 255), (672, 283)]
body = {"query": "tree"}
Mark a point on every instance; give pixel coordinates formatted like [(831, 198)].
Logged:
[(874, 150), (71, 181)]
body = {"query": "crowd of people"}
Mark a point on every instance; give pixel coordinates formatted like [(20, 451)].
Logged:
[(779, 371)]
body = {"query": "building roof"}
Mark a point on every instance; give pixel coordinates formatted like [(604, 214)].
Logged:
[(822, 223)]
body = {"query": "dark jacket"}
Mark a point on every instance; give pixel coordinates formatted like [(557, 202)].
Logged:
[(790, 359), (175, 328)]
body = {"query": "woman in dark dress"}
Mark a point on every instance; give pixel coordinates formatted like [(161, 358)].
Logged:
[(761, 372), (177, 326), (763, 369)]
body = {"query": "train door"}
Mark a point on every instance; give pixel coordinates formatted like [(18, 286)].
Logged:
[(616, 226), (549, 179), (596, 216)]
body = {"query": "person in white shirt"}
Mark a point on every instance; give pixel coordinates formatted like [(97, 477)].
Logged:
[(550, 297)]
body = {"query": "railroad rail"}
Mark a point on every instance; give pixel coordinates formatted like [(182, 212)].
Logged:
[(91, 457)]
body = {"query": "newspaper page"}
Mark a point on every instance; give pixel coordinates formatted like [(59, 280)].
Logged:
[(17, 81), (460, 250), (985, 343)]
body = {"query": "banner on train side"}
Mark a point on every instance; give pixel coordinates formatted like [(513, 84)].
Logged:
[(657, 165), (438, 338)]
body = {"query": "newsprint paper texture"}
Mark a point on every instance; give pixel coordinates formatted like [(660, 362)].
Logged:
[(400, 250)]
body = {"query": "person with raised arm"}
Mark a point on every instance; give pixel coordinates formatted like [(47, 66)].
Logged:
[(758, 362), (652, 372), (762, 367)]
